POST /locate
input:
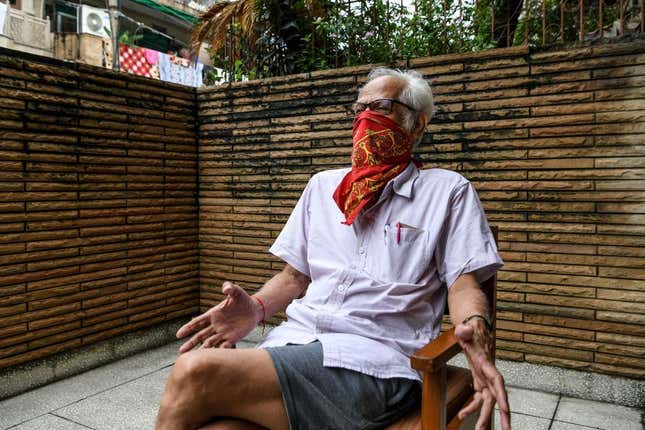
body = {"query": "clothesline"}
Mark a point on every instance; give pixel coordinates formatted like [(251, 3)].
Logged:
[(154, 64), (142, 25), (158, 65)]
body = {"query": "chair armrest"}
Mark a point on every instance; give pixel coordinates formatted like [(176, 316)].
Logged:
[(436, 354)]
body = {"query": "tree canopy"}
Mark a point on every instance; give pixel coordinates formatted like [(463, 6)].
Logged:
[(259, 38)]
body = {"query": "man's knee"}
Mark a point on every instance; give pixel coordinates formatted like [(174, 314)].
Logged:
[(197, 367)]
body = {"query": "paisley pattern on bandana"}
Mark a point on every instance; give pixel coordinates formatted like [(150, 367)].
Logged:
[(381, 150)]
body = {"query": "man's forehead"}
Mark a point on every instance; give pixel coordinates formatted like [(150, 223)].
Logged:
[(383, 86)]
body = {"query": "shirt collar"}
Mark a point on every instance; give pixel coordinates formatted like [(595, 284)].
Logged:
[(403, 183)]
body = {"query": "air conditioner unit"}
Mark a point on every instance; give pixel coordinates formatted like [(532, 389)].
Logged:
[(95, 21)]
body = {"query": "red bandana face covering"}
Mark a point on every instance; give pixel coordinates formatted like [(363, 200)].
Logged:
[(382, 150)]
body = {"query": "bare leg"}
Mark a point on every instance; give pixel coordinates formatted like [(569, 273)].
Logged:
[(210, 383)]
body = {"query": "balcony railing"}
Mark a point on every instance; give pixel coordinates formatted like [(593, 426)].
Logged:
[(25, 30)]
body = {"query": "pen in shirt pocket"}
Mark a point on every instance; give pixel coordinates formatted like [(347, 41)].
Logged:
[(399, 228)]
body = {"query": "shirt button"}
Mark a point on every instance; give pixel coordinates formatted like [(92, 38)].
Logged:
[(353, 266), (342, 287), (361, 250)]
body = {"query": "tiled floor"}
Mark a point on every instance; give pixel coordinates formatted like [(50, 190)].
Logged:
[(535, 410), (124, 395)]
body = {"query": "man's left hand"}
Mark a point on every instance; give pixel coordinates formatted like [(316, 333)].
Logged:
[(475, 340)]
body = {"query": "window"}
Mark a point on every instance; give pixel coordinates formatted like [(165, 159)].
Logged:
[(66, 19)]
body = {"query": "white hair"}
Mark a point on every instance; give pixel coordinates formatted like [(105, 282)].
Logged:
[(416, 94)]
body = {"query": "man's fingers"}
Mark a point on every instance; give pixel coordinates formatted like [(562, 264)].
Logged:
[(486, 410), (504, 408), (192, 326), (505, 419), (197, 339), (471, 407), (217, 341), (500, 394), (212, 341), (495, 382), (189, 344), (480, 381), (231, 289), (185, 347)]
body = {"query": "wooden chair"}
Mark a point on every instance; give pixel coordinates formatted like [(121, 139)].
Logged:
[(446, 389)]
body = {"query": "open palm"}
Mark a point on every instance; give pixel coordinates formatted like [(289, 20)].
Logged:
[(225, 324)]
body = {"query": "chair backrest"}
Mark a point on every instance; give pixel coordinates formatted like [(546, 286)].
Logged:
[(489, 286)]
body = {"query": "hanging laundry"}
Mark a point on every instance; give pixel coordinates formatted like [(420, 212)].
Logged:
[(199, 74), (180, 70), (151, 55), (163, 62), (184, 62), (154, 72), (132, 60)]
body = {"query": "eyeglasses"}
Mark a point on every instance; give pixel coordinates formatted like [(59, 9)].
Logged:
[(383, 106)]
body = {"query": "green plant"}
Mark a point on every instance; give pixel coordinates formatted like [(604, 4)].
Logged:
[(279, 37), (131, 41)]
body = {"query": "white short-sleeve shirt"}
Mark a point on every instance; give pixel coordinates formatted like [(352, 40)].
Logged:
[(378, 287)]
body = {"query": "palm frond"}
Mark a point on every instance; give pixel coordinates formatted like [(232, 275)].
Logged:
[(248, 15), (214, 24)]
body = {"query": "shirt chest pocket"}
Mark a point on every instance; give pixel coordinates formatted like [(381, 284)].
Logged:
[(400, 254)]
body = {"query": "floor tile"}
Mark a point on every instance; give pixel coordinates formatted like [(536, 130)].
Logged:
[(130, 406), (42, 400), (49, 422), (524, 422), (559, 425), (535, 403), (599, 415)]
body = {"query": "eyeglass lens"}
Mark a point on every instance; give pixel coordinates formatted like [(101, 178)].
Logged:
[(383, 106)]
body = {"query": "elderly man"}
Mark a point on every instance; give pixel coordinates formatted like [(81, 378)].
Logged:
[(375, 250)]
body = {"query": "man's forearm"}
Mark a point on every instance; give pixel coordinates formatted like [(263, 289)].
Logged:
[(282, 289), (465, 299)]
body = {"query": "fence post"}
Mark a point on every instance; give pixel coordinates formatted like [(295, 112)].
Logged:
[(527, 23), (543, 22), (508, 24), (562, 20), (622, 16), (601, 30), (582, 20), (492, 20)]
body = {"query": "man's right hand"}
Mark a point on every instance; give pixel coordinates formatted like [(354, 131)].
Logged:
[(225, 324)]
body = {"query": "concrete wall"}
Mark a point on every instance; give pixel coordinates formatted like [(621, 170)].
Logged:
[(98, 205), (552, 141)]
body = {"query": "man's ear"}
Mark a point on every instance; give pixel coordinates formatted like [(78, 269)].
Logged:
[(420, 124)]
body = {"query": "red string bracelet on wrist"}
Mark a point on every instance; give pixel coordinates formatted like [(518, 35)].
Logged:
[(264, 313)]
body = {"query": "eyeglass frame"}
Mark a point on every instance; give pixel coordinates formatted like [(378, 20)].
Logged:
[(368, 105)]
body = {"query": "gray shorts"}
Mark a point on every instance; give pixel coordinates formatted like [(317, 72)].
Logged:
[(331, 398)]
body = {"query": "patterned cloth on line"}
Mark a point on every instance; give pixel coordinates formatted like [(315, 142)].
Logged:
[(133, 61)]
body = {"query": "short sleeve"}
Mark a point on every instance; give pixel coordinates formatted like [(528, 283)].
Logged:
[(466, 243), (291, 244)]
